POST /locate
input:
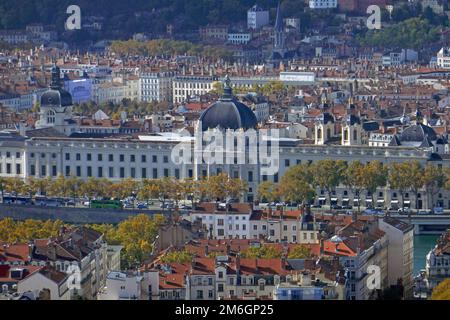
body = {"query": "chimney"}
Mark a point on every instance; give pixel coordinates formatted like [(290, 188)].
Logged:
[(206, 250)]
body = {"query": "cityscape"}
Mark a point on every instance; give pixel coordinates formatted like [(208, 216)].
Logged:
[(225, 150)]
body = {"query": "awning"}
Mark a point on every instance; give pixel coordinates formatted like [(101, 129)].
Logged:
[(355, 200), (394, 201), (333, 199), (380, 200), (406, 201), (345, 199), (322, 198), (368, 200)]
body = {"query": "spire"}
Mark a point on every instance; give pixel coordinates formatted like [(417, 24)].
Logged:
[(279, 19)]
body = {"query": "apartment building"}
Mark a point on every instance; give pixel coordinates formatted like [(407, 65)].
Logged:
[(400, 253), (362, 249), (257, 17), (185, 87), (156, 86)]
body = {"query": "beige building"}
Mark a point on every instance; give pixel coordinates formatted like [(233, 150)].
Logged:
[(400, 253)]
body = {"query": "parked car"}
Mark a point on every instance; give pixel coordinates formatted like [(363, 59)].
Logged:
[(336, 207), (423, 212), (142, 205), (404, 210), (438, 210)]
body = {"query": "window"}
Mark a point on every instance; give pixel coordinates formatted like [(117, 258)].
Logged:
[(220, 275), (154, 159), (67, 156), (210, 294), (166, 159), (121, 158), (143, 158), (287, 163), (43, 170), (100, 172), (110, 157), (122, 172), (54, 171), (111, 172), (250, 176), (89, 157), (132, 158), (100, 157), (67, 171), (199, 294), (133, 172), (78, 171), (155, 173), (78, 156), (33, 170), (177, 173), (144, 173), (89, 171), (166, 172), (220, 287), (18, 168)]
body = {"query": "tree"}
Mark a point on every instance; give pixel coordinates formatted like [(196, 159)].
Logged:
[(300, 252), (295, 185), (398, 178), (14, 186), (268, 191), (327, 174), (442, 291), (95, 188), (137, 234), (177, 257), (353, 178), (222, 186), (375, 176), (263, 252), (416, 182), (434, 179)]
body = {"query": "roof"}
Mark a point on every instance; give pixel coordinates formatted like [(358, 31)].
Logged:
[(228, 114), (398, 224), (417, 133)]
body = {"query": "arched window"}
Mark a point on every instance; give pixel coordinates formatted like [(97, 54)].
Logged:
[(355, 134), (51, 116), (319, 133), (345, 134)]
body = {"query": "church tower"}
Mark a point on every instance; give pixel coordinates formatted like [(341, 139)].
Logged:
[(351, 128)]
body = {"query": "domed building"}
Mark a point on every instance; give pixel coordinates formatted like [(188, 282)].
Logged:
[(420, 136), (56, 107), (228, 113)]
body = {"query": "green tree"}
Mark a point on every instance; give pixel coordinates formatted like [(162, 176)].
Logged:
[(300, 252)]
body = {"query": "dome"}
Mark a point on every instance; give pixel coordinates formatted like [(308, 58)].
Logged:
[(228, 113), (417, 133), (56, 96)]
